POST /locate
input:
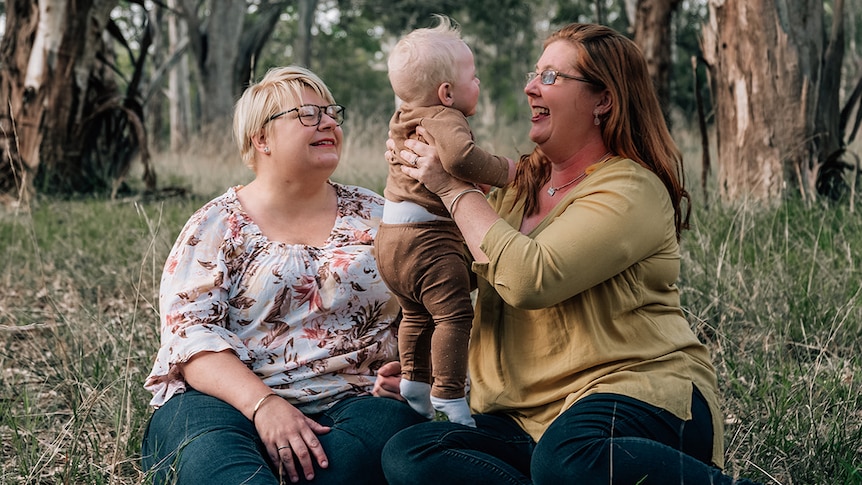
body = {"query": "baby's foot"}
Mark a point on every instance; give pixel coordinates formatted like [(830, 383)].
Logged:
[(418, 396), (456, 410)]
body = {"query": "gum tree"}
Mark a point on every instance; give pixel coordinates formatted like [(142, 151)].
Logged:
[(776, 69), (65, 126)]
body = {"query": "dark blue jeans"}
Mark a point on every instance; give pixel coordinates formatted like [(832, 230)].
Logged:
[(195, 439), (602, 439)]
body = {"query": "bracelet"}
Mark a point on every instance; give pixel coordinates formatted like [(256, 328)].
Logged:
[(259, 403), (463, 192)]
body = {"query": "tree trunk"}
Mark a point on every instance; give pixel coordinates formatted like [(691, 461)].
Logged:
[(630, 7), (255, 34), (71, 103), (21, 110), (306, 11), (215, 42), (652, 33), (764, 63), (70, 128), (157, 121), (825, 170), (179, 96)]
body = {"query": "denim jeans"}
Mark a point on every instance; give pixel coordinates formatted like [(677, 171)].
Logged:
[(602, 439), (196, 438)]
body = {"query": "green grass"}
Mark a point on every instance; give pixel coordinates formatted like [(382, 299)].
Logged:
[(775, 292), (77, 330)]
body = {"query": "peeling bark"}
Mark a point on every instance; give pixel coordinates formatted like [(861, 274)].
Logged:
[(765, 72), (20, 112), (65, 127)]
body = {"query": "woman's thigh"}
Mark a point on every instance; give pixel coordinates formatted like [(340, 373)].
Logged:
[(607, 439), (496, 451), (360, 427), (195, 438)]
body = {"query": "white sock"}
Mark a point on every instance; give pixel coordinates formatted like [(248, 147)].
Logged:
[(457, 410), (418, 397)]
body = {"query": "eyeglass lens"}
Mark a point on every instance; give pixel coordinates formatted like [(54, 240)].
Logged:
[(548, 76), (310, 114)]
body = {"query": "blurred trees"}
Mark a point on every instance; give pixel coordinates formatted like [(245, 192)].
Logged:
[(180, 64), (652, 32)]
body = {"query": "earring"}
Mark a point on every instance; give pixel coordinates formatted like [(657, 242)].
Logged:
[(596, 120), (266, 150)]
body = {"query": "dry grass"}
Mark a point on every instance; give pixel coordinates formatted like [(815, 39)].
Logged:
[(774, 292)]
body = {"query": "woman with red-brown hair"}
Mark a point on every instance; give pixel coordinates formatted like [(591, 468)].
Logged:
[(583, 366)]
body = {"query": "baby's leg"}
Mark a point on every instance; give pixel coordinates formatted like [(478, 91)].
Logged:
[(414, 347), (449, 362)]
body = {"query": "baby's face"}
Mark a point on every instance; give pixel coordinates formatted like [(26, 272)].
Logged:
[(465, 89)]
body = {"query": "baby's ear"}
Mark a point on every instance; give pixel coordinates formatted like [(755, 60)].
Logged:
[(444, 93)]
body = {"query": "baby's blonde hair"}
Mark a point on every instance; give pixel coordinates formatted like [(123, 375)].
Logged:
[(280, 89), (424, 59)]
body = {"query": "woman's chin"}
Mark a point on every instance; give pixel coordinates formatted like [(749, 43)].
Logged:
[(537, 136)]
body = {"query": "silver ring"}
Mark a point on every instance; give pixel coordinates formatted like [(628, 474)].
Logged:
[(283, 447), (415, 159)]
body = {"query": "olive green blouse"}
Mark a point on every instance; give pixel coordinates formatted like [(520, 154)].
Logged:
[(586, 303)]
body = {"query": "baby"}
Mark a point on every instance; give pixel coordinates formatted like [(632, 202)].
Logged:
[(420, 251)]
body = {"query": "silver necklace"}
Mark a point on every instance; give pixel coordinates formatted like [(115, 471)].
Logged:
[(553, 190)]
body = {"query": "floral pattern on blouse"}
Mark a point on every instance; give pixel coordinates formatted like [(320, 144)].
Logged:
[(314, 323)]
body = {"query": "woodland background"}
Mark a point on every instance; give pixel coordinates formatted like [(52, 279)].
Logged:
[(114, 128)]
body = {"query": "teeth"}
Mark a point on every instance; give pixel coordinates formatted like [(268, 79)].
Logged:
[(537, 110)]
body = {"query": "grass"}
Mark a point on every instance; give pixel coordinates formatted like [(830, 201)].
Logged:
[(775, 292), (777, 295)]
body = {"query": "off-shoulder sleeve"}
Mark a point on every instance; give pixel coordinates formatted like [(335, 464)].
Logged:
[(604, 226), (193, 299)]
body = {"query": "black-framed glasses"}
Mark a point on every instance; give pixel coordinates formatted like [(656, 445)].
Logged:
[(549, 76), (311, 114)]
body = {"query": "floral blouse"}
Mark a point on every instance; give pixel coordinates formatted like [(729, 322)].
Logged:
[(315, 323)]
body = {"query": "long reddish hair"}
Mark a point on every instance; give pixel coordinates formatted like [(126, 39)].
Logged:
[(634, 127)]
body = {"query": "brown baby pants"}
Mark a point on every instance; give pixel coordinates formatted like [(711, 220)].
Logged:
[(426, 267)]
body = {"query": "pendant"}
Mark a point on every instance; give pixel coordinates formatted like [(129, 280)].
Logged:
[(552, 191)]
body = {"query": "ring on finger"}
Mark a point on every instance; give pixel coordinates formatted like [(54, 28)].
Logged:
[(415, 159), (283, 447)]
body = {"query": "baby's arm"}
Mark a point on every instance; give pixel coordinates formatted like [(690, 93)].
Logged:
[(461, 156)]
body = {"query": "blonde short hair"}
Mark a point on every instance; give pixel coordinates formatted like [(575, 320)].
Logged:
[(424, 59), (280, 89)]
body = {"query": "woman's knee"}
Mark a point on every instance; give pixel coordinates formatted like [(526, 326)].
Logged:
[(396, 467)]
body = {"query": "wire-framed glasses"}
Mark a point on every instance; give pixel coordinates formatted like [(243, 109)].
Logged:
[(311, 114), (549, 76)]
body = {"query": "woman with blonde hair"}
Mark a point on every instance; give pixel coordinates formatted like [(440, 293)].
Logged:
[(274, 319)]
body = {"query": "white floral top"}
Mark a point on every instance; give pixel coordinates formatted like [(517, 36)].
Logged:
[(315, 323)]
